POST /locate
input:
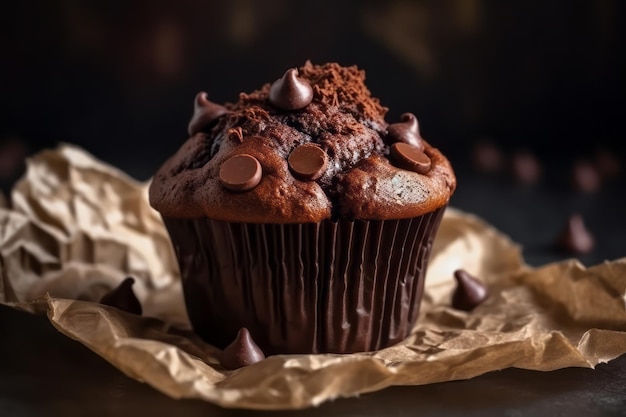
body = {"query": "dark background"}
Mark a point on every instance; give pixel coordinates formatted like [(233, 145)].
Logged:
[(118, 78)]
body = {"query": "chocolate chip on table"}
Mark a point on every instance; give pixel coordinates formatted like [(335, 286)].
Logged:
[(308, 161), (13, 154), (240, 173), (290, 92), (525, 167), (487, 157), (608, 164), (575, 238), (241, 352), (123, 297), (205, 112), (469, 293), (585, 177), (407, 131), (410, 157)]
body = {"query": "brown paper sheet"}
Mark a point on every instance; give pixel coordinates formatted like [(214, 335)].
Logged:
[(78, 227)]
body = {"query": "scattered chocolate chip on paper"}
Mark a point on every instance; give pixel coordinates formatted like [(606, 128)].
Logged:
[(95, 227)]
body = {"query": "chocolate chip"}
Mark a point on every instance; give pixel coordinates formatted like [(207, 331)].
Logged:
[(241, 352), (241, 172), (585, 177), (406, 131), (608, 164), (12, 158), (487, 157), (290, 92), (525, 167), (204, 113), (575, 238), (410, 157), (469, 292), (308, 161), (123, 297)]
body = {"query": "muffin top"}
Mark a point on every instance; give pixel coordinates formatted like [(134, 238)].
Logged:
[(313, 145)]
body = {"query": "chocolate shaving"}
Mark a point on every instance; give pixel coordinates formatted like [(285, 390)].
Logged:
[(235, 134)]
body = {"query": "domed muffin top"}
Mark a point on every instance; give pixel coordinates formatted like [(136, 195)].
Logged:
[(313, 145)]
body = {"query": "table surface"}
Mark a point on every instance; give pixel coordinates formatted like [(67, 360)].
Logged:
[(44, 373)]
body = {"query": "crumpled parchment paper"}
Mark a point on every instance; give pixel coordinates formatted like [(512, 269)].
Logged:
[(77, 227)]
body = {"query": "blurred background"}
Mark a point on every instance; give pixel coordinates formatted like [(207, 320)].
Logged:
[(118, 78)]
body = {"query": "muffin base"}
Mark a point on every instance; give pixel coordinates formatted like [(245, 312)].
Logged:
[(327, 287)]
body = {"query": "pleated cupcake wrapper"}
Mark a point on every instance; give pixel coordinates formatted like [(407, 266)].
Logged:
[(341, 287)]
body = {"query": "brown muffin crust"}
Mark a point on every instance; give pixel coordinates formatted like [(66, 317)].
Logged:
[(358, 181)]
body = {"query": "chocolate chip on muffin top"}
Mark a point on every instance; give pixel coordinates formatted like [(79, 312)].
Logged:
[(313, 145)]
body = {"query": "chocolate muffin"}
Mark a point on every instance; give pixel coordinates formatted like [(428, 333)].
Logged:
[(300, 214)]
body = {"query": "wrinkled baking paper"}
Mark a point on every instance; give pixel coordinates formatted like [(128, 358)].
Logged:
[(77, 227)]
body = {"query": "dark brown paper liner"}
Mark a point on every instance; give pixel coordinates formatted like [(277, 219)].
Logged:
[(341, 287)]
